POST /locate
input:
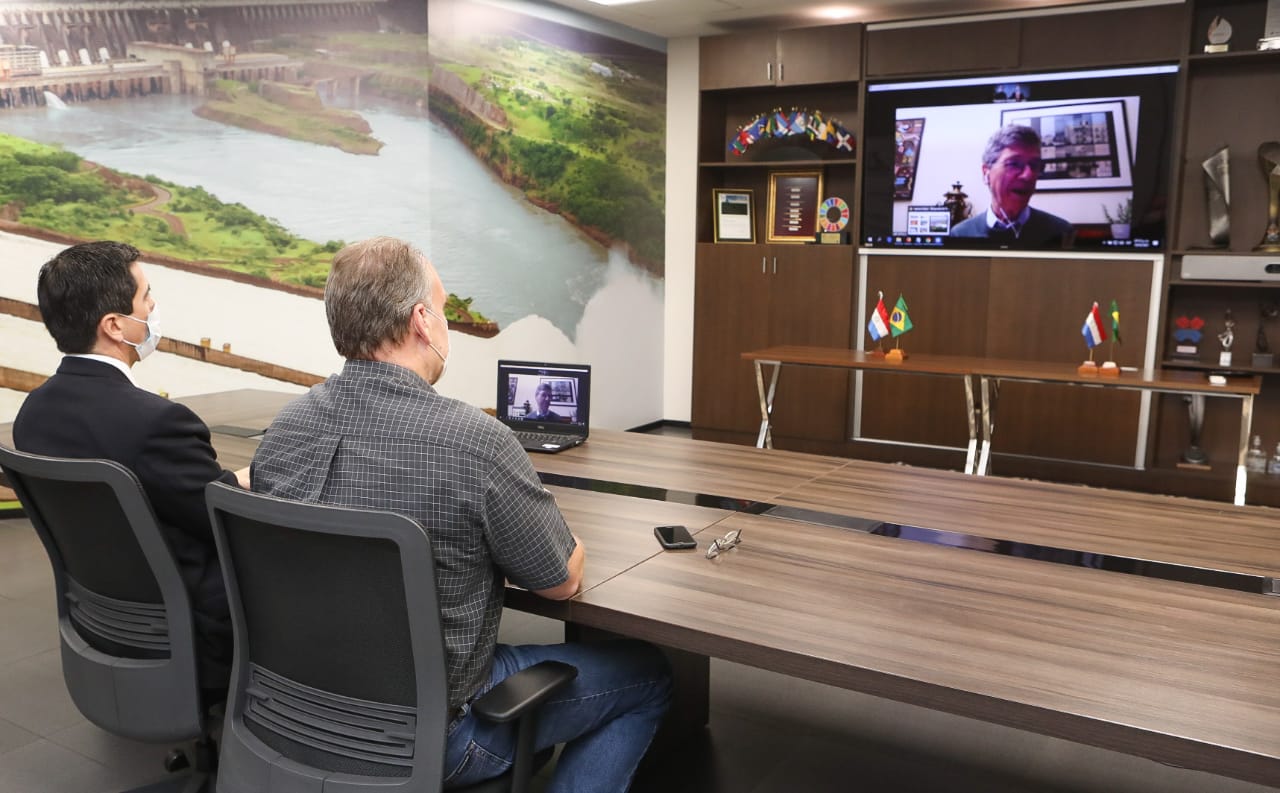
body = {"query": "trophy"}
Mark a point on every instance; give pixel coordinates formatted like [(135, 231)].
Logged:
[(1226, 338), (1262, 356), (1219, 35), (1194, 456), (1217, 187), (1271, 28), (1187, 336), (1269, 161)]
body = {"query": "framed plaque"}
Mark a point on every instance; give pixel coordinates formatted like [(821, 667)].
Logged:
[(735, 216), (794, 197)]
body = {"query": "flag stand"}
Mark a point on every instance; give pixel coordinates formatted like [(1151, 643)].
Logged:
[(1111, 368), (1088, 368), (896, 355), (878, 352)]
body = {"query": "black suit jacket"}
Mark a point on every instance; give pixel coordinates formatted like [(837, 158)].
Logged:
[(90, 409)]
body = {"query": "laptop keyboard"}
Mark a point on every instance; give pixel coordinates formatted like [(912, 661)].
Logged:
[(537, 439)]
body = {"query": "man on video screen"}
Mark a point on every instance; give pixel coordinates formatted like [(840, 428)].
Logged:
[(1011, 164)]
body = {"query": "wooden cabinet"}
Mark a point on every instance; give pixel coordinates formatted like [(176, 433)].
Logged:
[(753, 296), (805, 56), (1228, 101), (742, 303)]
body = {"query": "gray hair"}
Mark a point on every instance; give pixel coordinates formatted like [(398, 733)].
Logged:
[(1012, 135), (372, 289)]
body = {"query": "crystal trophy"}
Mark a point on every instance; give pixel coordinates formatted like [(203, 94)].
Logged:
[(1269, 161), (1219, 35), (1217, 185)]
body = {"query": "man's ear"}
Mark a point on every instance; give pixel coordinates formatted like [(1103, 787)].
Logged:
[(111, 327)]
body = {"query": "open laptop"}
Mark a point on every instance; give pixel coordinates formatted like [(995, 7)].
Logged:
[(545, 404)]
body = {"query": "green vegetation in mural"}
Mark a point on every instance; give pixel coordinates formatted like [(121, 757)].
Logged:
[(288, 111), (49, 188), (580, 135)]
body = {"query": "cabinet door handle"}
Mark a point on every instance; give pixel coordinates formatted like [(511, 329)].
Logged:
[(768, 71), (775, 265), (780, 77), (763, 264)]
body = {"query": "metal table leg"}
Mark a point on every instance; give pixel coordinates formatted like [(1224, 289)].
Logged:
[(1246, 423), (990, 393), (973, 426), (764, 440)]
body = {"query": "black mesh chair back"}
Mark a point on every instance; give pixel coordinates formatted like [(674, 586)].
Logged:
[(339, 678), (124, 615)]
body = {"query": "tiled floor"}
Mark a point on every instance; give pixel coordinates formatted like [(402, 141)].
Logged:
[(768, 734)]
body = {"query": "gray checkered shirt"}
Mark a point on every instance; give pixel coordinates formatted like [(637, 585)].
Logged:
[(377, 436)]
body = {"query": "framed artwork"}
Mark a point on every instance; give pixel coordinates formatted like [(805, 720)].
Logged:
[(1084, 146), (794, 197), (564, 390), (734, 215), (907, 135)]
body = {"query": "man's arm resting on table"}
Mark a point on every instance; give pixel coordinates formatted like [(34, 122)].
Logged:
[(571, 584)]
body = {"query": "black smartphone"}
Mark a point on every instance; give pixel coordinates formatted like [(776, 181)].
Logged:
[(671, 537)]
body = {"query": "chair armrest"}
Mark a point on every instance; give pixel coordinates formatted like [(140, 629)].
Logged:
[(523, 691)]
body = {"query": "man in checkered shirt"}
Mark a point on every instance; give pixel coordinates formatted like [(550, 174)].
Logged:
[(378, 436)]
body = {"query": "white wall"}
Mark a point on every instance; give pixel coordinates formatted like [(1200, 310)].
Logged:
[(682, 189)]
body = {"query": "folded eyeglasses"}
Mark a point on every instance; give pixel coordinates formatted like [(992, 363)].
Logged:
[(724, 543)]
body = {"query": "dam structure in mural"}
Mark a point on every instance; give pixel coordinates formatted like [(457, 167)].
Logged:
[(84, 51)]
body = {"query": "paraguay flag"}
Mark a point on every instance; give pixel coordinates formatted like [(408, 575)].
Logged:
[(1094, 331), (878, 327)]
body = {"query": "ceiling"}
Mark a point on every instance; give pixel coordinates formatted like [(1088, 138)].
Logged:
[(679, 18)]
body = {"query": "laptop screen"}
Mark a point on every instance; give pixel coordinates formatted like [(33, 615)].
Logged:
[(544, 396)]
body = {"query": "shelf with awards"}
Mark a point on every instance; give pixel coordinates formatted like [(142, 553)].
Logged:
[(1223, 113), (792, 147)]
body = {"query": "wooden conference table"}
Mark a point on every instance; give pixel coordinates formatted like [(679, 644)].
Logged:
[(989, 372), (1095, 652)]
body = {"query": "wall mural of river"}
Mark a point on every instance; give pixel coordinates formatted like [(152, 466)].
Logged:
[(525, 156)]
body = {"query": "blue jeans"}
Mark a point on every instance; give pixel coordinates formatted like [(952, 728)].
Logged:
[(606, 717)]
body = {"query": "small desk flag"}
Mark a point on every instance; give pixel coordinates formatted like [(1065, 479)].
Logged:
[(898, 320), (1094, 331), (878, 327)]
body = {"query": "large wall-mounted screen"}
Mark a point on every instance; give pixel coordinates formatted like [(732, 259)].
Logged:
[(1049, 161)]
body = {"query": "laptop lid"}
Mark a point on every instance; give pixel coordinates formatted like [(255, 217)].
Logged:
[(552, 398)]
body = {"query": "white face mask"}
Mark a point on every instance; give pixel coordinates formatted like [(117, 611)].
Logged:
[(444, 359), (149, 344)]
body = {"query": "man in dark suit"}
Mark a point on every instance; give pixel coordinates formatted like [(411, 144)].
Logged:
[(96, 303)]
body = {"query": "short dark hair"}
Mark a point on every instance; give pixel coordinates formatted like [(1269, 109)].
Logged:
[(544, 386), (1012, 135), (80, 286), (372, 288)]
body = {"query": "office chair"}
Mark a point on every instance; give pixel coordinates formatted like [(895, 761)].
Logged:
[(124, 615), (339, 677)]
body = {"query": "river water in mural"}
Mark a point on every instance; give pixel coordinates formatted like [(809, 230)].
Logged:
[(488, 242)]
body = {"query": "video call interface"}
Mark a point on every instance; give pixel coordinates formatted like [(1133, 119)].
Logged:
[(1101, 172), (546, 396)]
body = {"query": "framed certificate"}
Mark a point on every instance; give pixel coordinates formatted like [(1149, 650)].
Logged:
[(793, 205), (735, 218)]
